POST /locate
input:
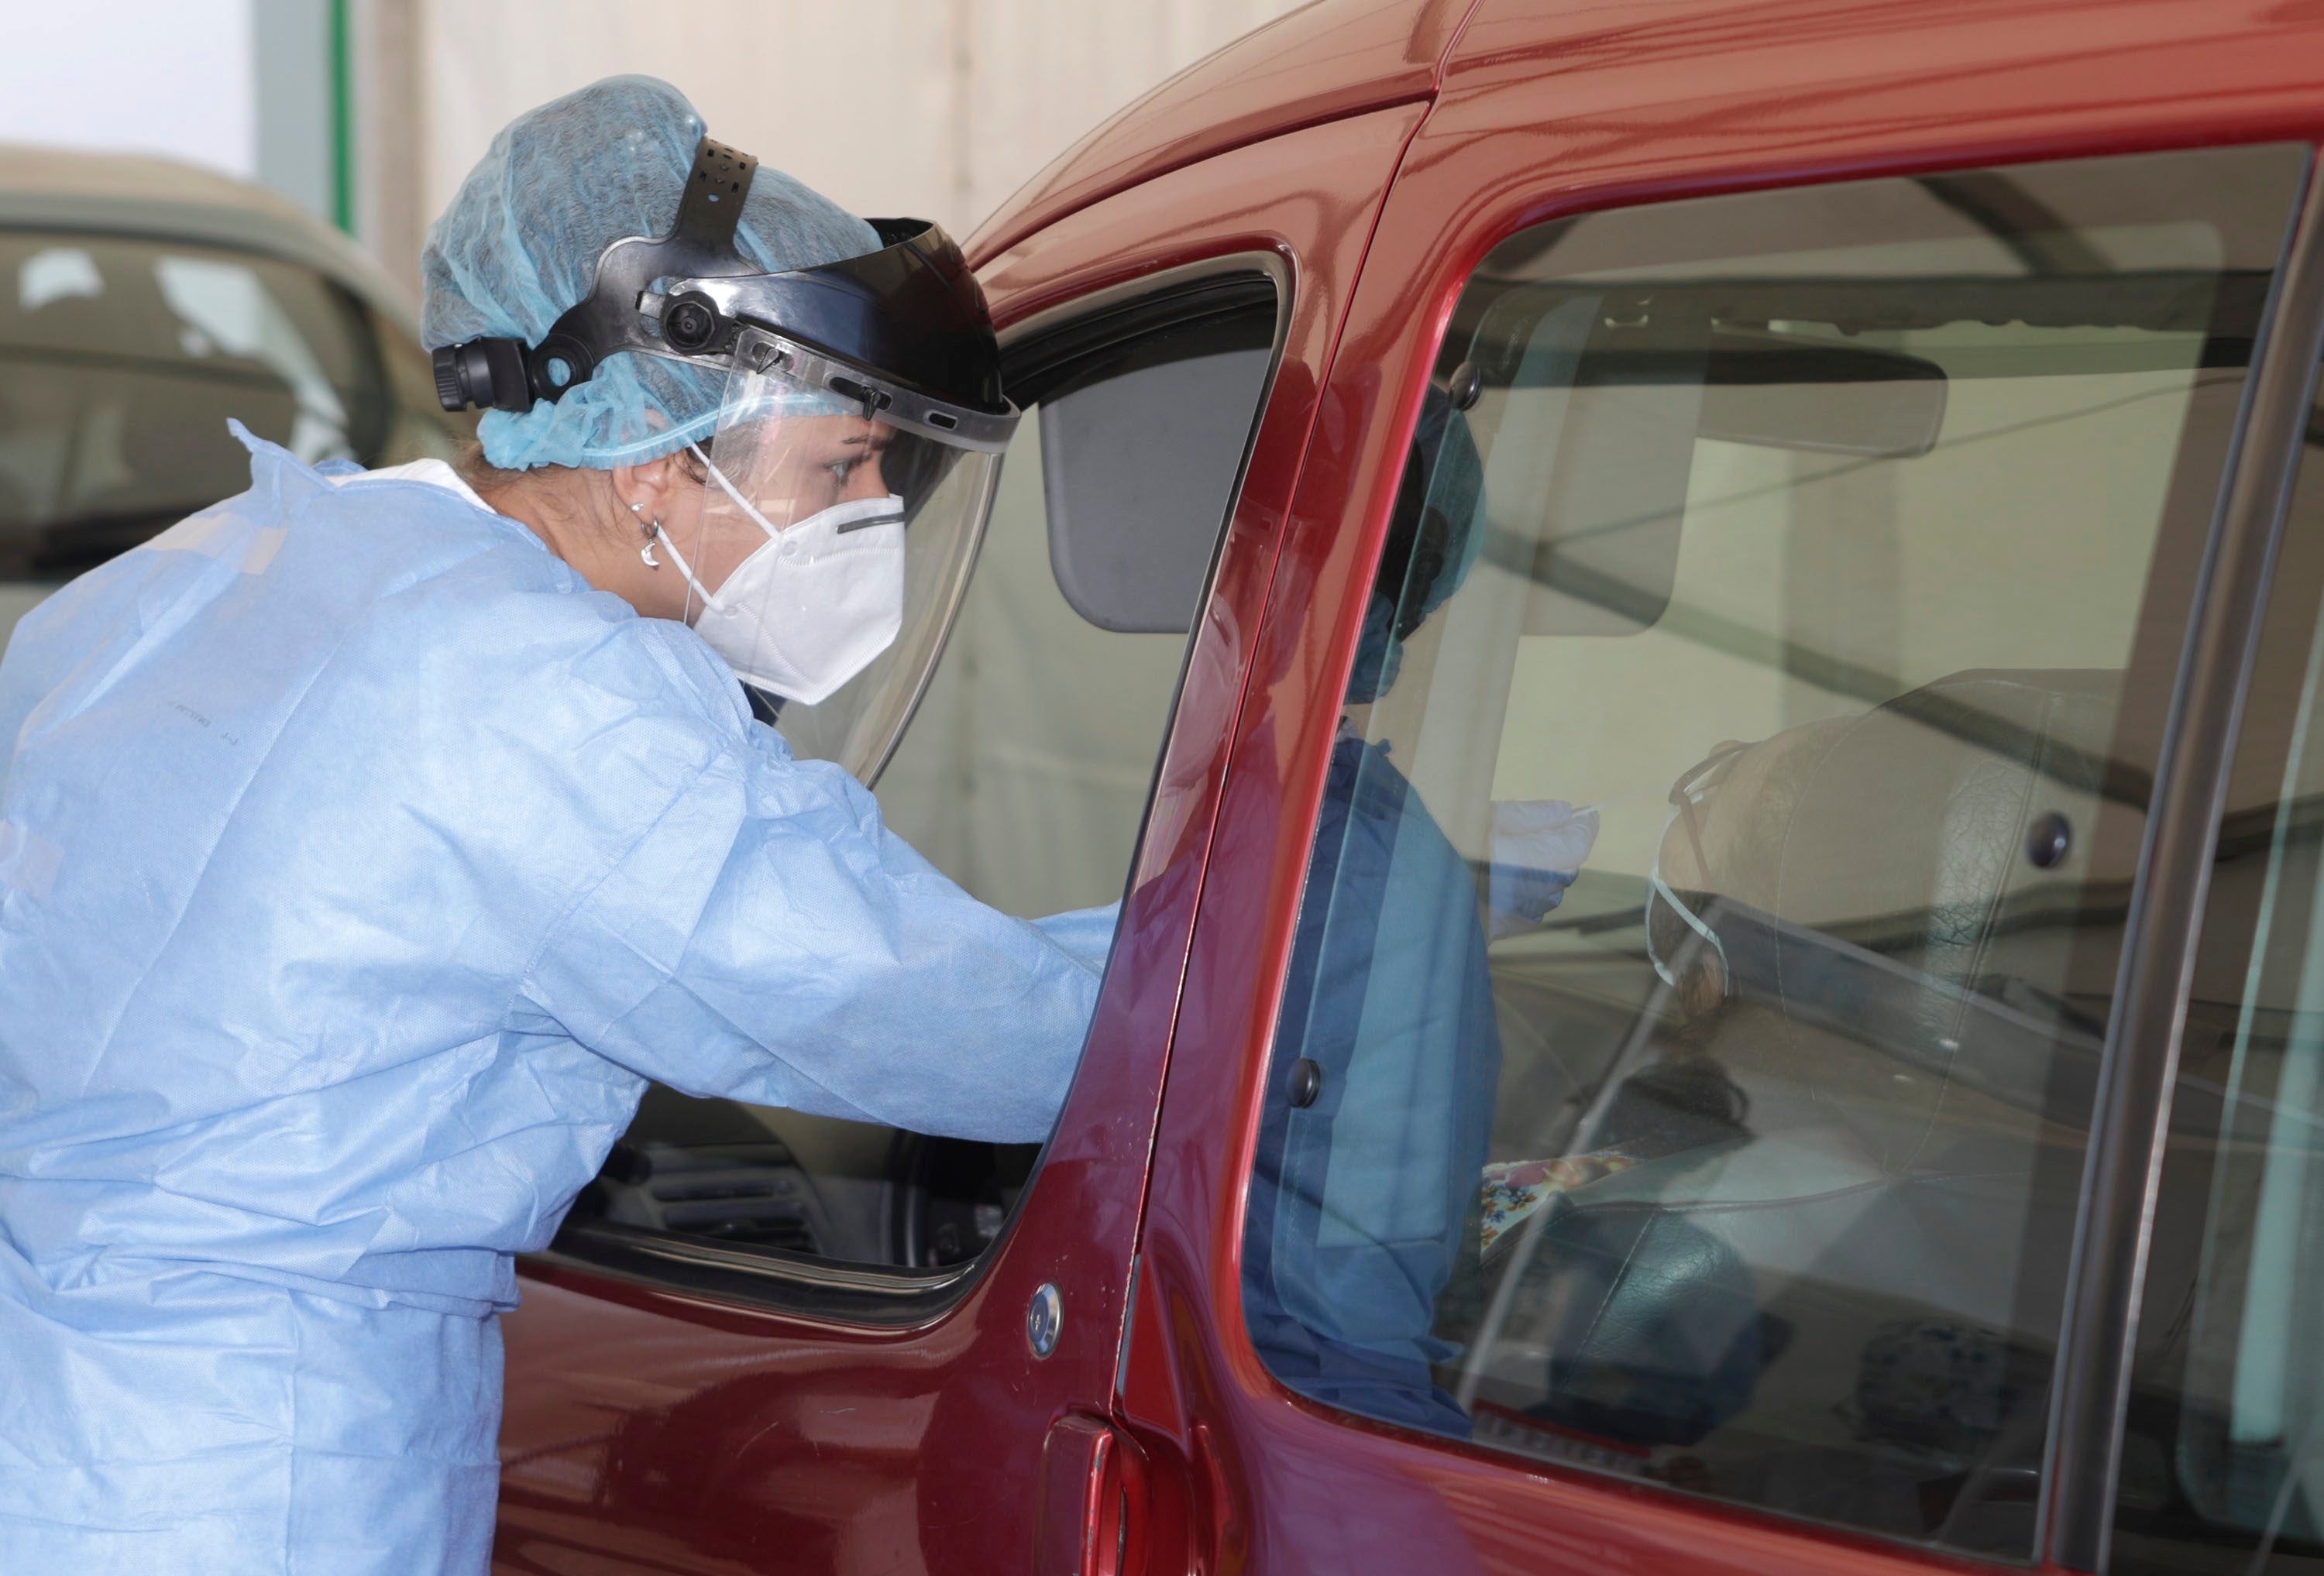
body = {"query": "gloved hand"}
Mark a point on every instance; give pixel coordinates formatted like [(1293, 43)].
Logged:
[(1538, 848)]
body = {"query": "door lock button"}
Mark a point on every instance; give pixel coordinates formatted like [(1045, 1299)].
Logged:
[(1306, 1083)]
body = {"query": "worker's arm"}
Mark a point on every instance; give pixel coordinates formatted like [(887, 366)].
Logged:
[(766, 938)]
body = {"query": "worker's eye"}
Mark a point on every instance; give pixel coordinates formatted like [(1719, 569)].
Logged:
[(841, 468)]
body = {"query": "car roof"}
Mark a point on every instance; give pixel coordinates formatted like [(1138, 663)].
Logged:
[(124, 194), (1338, 58), (1332, 59)]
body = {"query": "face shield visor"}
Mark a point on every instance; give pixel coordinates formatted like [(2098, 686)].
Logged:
[(834, 532)]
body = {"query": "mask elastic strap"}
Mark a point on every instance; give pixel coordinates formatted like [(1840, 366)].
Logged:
[(1700, 781), (1658, 888), (757, 518), (727, 487), (684, 567)]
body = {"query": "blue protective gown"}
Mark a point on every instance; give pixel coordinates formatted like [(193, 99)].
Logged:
[(359, 864)]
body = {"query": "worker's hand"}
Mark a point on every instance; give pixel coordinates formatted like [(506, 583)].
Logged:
[(1538, 847)]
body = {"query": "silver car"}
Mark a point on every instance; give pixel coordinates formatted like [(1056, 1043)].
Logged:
[(143, 302)]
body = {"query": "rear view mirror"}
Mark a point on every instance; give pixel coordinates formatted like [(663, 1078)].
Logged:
[(1612, 492), (1778, 390), (1793, 390)]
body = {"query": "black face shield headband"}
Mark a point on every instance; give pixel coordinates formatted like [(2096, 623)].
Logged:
[(903, 333)]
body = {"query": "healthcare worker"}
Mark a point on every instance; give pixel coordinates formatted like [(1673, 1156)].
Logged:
[(1366, 1188), (367, 841)]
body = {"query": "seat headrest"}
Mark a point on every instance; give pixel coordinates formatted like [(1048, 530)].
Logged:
[(1907, 834), (1869, 879)]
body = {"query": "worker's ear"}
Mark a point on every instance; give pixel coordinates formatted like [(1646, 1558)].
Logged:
[(654, 487)]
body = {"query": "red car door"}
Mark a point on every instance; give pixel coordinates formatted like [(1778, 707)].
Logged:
[(1671, 949), (685, 1395)]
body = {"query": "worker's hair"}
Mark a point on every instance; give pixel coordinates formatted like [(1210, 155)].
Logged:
[(567, 493)]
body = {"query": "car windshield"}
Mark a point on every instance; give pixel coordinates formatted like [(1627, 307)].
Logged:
[(120, 360)]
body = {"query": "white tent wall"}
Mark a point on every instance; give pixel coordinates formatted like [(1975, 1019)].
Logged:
[(169, 77), (937, 108)]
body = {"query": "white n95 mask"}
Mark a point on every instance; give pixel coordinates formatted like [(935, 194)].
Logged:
[(813, 604)]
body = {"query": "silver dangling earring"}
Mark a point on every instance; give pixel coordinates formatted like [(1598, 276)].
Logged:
[(653, 530)]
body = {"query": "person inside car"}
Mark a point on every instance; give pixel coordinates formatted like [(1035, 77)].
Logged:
[(1385, 1114)]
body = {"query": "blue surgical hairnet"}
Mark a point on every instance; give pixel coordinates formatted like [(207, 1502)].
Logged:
[(518, 247)]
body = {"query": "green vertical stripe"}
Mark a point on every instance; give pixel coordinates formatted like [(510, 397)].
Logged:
[(342, 124)]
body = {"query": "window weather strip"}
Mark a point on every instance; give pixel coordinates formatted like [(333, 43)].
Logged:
[(2115, 1224)]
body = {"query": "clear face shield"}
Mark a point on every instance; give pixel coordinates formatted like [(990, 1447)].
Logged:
[(852, 460), (833, 541)]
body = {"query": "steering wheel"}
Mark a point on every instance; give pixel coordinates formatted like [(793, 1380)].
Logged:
[(949, 1198)]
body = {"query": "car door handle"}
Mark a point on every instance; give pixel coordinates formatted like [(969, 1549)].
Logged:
[(1094, 1503)]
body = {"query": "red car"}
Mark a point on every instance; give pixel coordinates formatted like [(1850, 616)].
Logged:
[(1690, 633)]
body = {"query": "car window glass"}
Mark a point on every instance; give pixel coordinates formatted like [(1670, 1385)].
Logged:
[(1685, 1059), (1024, 775), (1026, 770), (123, 360), (1131, 526), (2223, 1452)]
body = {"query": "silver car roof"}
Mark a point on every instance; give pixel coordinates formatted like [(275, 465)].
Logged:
[(121, 194)]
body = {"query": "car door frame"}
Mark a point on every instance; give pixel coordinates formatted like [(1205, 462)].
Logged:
[(1260, 1469), (752, 1392)]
